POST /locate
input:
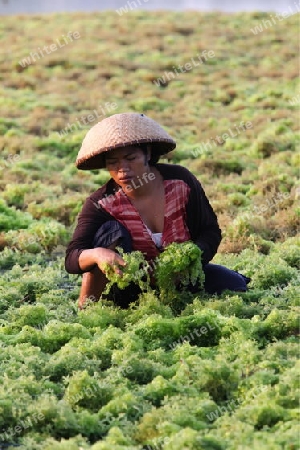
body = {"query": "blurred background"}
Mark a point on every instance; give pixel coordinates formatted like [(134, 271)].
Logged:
[(52, 357), (49, 6)]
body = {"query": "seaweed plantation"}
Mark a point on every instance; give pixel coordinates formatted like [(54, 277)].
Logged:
[(175, 371)]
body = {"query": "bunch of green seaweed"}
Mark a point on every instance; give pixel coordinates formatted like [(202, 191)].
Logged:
[(176, 370)]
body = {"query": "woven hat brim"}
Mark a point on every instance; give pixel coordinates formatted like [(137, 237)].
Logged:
[(97, 160), (121, 130)]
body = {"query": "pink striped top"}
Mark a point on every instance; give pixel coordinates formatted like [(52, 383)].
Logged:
[(175, 228)]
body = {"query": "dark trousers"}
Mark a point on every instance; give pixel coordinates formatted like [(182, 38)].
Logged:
[(217, 278)]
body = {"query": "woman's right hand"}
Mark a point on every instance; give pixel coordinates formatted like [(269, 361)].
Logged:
[(106, 258)]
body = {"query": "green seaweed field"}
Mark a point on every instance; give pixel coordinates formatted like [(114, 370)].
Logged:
[(196, 372)]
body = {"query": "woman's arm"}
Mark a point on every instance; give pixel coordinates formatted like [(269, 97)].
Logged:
[(200, 218), (100, 257), (81, 256), (202, 221)]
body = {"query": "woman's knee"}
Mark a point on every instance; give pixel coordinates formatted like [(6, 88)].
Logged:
[(112, 234), (219, 278)]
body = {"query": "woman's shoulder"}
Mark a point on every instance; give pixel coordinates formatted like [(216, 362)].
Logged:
[(175, 172), (93, 199)]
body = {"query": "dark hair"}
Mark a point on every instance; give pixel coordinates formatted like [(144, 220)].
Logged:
[(154, 157), (144, 147)]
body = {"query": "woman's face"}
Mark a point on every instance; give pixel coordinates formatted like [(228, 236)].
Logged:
[(128, 166)]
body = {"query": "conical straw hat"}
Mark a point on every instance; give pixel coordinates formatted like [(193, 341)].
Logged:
[(121, 130)]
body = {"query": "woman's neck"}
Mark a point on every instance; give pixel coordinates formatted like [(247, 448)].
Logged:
[(145, 185)]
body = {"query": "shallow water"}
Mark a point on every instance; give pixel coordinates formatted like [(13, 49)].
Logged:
[(47, 6)]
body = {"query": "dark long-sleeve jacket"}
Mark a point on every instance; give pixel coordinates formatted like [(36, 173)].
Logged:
[(200, 218)]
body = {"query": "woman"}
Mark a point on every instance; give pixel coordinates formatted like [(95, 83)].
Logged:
[(144, 206)]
